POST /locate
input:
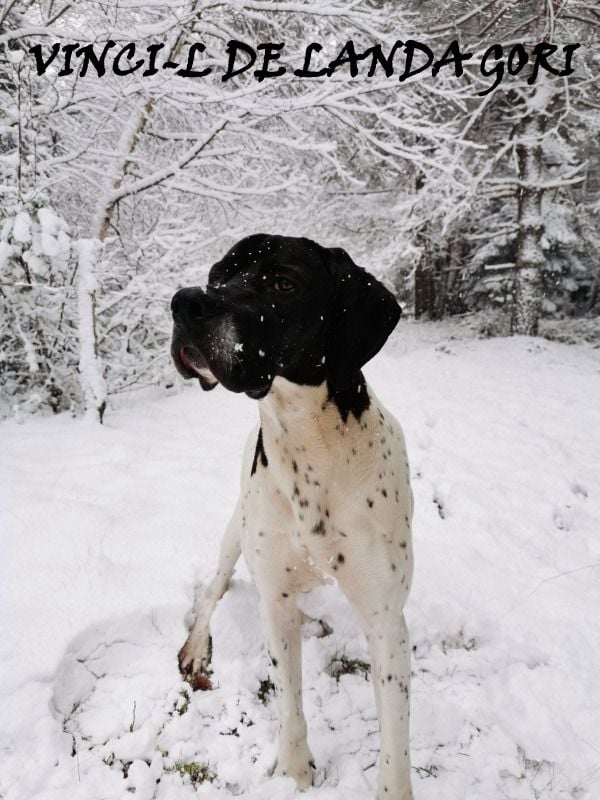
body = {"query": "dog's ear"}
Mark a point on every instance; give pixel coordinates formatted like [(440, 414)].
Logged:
[(364, 315)]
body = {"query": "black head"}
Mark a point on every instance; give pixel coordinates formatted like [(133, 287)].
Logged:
[(280, 305)]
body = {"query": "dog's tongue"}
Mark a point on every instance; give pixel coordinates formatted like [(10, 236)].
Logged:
[(185, 356), (195, 362)]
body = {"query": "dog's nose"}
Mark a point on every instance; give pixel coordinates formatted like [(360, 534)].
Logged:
[(188, 305)]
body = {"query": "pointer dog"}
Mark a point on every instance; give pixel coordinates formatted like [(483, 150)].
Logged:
[(325, 487)]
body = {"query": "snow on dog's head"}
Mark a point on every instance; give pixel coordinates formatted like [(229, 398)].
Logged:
[(280, 306)]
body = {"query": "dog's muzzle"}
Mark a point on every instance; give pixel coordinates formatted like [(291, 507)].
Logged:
[(206, 346), (190, 308)]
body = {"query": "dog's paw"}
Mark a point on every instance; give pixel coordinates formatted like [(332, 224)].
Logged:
[(384, 794), (300, 769), (194, 660)]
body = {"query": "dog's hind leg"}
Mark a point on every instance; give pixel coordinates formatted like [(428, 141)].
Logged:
[(194, 656)]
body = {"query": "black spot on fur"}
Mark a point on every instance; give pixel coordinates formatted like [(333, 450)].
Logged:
[(319, 528), (259, 453), (353, 399), (369, 502), (341, 558)]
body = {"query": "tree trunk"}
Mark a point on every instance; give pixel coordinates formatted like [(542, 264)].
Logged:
[(453, 264), (530, 259), (425, 288), (424, 277), (91, 378)]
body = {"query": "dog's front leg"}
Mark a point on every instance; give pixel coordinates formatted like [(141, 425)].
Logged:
[(194, 656), (379, 603), (390, 666), (281, 622)]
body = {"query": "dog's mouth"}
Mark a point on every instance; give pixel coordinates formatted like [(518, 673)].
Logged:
[(191, 363)]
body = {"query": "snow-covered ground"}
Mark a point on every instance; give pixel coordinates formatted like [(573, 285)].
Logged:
[(104, 528)]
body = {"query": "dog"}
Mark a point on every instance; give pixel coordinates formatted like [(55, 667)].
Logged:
[(325, 485)]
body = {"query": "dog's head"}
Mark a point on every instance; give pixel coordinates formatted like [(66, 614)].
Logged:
[(279, 305)]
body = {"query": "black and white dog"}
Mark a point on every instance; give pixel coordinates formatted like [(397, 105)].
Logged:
[(325, 481)]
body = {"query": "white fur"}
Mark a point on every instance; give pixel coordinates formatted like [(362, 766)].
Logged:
[(334, 500)]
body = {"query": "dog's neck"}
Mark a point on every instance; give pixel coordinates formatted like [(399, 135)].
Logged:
[(289, 403), (287, 398), (312, 411)]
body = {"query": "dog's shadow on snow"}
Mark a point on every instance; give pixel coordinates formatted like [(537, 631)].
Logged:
[(125, 710)]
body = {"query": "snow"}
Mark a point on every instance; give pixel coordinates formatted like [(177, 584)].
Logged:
[(53, 233), (104, 529), (22, 227), (15, 56)]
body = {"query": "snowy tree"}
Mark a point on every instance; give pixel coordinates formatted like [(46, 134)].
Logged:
[(37, 330), (163, 173), (536, 138), (441, 191)]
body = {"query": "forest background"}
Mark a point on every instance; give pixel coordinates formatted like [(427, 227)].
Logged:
[(117, 190)]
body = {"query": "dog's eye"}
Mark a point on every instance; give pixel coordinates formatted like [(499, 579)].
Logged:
[(283, 285)]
